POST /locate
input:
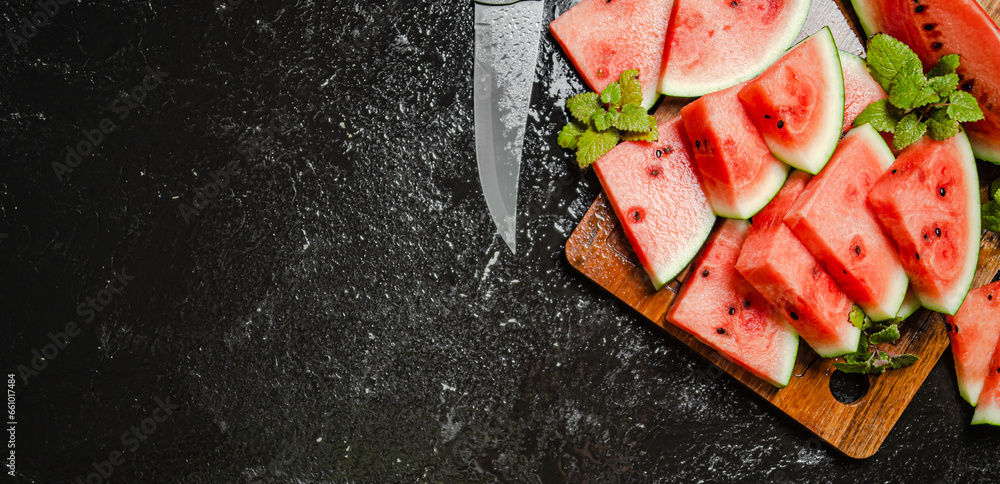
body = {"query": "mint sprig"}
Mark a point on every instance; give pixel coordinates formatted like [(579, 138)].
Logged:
[(991, 209), (601, 121), (869, 358), (918, 103)]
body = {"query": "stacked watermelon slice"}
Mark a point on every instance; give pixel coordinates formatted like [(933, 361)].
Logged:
[(820, 213)]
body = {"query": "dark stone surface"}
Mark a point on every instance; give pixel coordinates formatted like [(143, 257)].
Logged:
[(342, 311)]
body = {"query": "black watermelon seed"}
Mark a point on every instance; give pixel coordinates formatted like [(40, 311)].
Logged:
[(937, 232), (920, 9), (636, 215), (720, 330), (732, 310), (767, 116), (947, 326), (937, 45), (659, 153), (998, 369), (845, 271), (929, 27), (746, 303), (668, 150), (989, 297), (794, 316), (894, 172), (942, 192), (735, 3), (925, 237), (655, 172), (918, 256), (956, 329), (967, 85), (781, 123), (704, 273), (697, 144), (857, 250)]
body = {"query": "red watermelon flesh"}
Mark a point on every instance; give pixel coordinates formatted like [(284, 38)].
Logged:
[(974, 332), (716, 44), (833, 220), (603, 39), (656, 193), (740, 174), (723, 310), (776, 263), (933, 28), (860, 89), (928, 202)]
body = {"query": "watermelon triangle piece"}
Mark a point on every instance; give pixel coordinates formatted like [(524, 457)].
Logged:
[(723, 310), (975, 332), (797, 104), (928, 202), (713, 45), (656, 193), (776, 263), (833, 220), (603, 39), (860, 89), (738, 171)]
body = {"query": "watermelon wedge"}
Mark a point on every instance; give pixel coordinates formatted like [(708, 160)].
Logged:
[(739, 173), (776, 263), (716, 44), (928, 202), (860, 89), (656, 193), (603, 39), (833, 220), (933, 28), (797, 104), (974, 332), (911, 303), (723, 310)]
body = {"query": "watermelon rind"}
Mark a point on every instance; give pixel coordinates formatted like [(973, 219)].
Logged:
[(986, 415), (751, 202), (867, 14), (679, 87), (911, 303)]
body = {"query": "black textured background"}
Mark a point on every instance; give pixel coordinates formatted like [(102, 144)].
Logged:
[(342, 311)]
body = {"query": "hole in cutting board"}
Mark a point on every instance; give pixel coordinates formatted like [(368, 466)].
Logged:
[(848, 387)]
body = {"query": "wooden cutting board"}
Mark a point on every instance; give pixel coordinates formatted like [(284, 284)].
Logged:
[(598, 249)]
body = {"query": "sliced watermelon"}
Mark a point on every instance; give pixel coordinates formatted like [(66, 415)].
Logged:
[(911, 303), (928, 202), (716, 44), (603, 39), (860, 89), (776, 263), (797, 104), (974, 332), (656, 193), (739, 173), (933, 28), (834, 222), (723, 310)]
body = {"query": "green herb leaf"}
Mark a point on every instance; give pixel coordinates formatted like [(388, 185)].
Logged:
[(964, 107), (940, 126), (943, 85), (583, 106), (903, 360), (886, 335), (857, 317), (593, 145), (888, 57), (882, 116), (945, 65), (911, 91), (602, 120), (631, 88), (570, 134), (612, 94), (648, 137), (634, 118), (853, 367), (908, 131)]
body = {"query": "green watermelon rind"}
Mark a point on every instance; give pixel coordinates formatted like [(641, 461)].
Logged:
[(812, 158), (662, 275), (986, 415), (911, 303), (949, 303), (847, 345), (866, 15), (750, 203), (796, 20)]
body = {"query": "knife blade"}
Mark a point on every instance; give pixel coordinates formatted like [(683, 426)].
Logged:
[(506, 51)]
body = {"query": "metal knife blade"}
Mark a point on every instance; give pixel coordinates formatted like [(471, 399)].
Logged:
[(506, 50)]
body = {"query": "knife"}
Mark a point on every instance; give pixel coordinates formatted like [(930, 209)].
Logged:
[(507, 37)]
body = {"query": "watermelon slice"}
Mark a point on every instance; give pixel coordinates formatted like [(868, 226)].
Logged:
[(716, 44), (974, 332), (603, 39), (739, 173), (928, 202), (833, 220), (911, 303), (933, 28), (657, 196), (776, 263), (797, 104), (723, 310), (860, 89)]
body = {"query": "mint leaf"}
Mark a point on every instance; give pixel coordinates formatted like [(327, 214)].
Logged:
[(886, 335), (911, 91), (601, 120), (908, 131), (612, 94), (903, 360), (995, 189), (853, 367), (888, 57), (648, 137), (945, 65), (991, 216), (857, 317), (964, 107), (941, 127), (570, 134), (943, 85), (583, 106), (882, 116), (634, 118), (593, 145), (631, 88)]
